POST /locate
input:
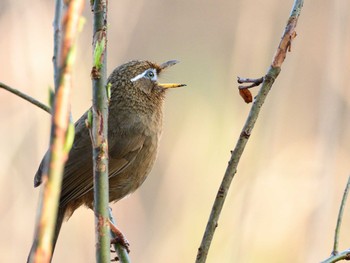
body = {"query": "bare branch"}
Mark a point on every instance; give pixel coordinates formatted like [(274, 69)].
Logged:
[(25, 97), (336, 256), (231, 170)]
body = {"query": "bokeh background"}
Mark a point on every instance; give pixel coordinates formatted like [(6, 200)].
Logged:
[(284, 200)]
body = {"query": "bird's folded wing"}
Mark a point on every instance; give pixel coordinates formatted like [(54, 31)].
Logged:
[(78, 175)]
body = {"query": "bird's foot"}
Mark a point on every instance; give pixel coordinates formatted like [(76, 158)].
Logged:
[(120, 238)]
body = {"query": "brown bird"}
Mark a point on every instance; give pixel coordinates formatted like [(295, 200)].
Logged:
[(134, 128)]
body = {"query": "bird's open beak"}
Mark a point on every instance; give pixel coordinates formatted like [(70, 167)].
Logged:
[(169, 85)]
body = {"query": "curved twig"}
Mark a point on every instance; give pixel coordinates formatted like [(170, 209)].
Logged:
[(336, 256)]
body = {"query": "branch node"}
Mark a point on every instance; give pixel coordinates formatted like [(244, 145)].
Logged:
[(221, 192), (245, 134), (95, 73)]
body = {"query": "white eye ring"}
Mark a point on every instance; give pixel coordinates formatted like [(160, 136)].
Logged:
[(149, 73)]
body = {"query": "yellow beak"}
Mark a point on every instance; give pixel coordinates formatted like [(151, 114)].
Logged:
[(170, 85)]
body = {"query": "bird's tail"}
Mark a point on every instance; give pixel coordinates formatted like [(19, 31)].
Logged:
[(59, 221)]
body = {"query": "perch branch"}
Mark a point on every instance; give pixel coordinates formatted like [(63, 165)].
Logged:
[(269, 78), (98, 130)]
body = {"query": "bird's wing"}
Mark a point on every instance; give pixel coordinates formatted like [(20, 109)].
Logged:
[(80, 149), (78, 175), (124, 151)]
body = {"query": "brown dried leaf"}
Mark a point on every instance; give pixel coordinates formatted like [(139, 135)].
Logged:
[(246, 95)]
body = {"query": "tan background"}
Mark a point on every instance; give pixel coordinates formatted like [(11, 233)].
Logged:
[(283, 203)]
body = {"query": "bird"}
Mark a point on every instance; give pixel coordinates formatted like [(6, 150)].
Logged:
[(134, 129)]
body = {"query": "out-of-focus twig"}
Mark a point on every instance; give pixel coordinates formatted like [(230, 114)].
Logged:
[(59, 148), (340, 217), (56, 43), (274, 70), (25, 97), (336, 256), (56, 40)]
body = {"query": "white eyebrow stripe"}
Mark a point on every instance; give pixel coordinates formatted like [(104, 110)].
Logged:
[(139, 76)]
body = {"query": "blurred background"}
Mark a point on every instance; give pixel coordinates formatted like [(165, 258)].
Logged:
[(284, 200)]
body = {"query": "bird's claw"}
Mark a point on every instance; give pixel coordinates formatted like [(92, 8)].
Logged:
[(121, 240)]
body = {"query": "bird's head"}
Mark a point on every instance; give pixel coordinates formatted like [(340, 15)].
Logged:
[(140, 79)]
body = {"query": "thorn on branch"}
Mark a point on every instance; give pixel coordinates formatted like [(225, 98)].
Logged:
[(221, 192), (199, 253), (245, 134)]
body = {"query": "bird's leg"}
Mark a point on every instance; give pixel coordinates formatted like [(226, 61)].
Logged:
[(120, 239)]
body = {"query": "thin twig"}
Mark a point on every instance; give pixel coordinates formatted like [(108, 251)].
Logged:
[(99, 130), (340, 256), (25, 97), (59, 148), (254, 82), (340, 217), (231, 170), (335, 255)]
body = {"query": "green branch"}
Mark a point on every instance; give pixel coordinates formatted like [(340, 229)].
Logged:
[(98, 131)]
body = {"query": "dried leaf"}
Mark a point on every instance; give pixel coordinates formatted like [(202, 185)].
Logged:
[(246, 95)]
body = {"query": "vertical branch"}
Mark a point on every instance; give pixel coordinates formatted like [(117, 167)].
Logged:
[(56, 40), (60, 145), (274, 70), (99, 130)]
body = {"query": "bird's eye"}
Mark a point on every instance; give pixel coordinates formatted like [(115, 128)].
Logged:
[(150, 74)]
